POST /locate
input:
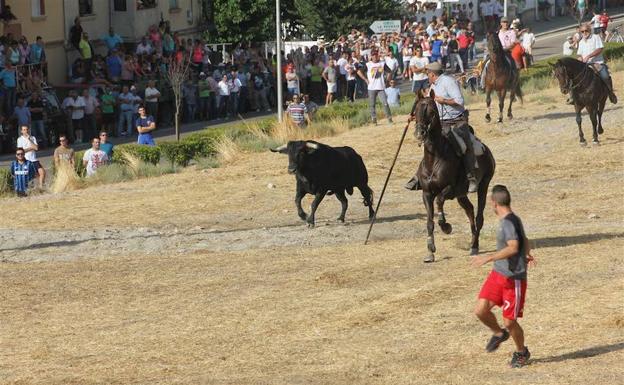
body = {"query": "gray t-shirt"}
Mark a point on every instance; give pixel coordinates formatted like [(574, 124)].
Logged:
[(510, 228), (331, 74)]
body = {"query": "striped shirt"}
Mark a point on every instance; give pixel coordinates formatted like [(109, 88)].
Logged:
[(296, 112), (22, 174)]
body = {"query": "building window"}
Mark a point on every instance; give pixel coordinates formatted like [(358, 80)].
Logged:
[(38, 8), (173, 4), (121, 6), (85, 7), (146, 4)]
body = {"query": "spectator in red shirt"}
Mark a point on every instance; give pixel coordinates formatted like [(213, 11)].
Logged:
[(464, 40)]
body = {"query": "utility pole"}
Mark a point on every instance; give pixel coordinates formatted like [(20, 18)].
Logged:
[(278, 70), (505, 9)]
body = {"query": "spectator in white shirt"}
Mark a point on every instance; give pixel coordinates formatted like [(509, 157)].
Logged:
[(223, 97), (151, 99), (29, 144), (91, 103), (568, 46), (75, 105), (144, 47)]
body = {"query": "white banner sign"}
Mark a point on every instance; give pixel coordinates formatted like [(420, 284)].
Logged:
[(386, 26)]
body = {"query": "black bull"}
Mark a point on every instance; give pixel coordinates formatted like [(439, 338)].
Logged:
[(323, 170)]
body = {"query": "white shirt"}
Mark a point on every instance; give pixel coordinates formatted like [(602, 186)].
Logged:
[(528, 39), (393, 96), (342, 63), (78, 102), (236, 85), (447, 87), (25, 144), (94, 158), (375, 75), (143, 49), (567, 48), (589, 45), (224, 88), (392, 63), (596, 21), (418, 62), (350, 74), (91, 104), (497, 9), (151, 94)]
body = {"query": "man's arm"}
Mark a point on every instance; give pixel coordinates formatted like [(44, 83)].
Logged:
[(508, 251), (456, 98), (596, 52), (362, 76)]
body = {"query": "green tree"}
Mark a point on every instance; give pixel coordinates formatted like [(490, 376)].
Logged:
[(331, 18), (243, 20)]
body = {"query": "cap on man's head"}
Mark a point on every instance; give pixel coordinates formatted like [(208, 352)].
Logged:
[(202, 74), (570, 37), (435, 66)]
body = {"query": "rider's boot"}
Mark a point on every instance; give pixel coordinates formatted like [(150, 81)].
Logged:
[(612, 96), (413, 184), (469, 164)]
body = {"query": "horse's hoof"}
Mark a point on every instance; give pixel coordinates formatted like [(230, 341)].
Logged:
[(429, 258), (446, 228), (500, 120), (310, 224), (583, 143), (595, 143), (600, 130), (474, 251), (510, 116), (488, 118), (340, 219)]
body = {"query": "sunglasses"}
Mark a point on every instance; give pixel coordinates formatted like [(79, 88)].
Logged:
[(19, 154)]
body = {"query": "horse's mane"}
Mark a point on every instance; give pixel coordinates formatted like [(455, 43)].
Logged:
[(494, 44), (570, 62)]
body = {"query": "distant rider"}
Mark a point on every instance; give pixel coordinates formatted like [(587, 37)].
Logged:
[(590, 51), (454, 120)]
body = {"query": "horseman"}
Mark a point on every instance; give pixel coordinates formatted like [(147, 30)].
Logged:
[(590, 51), (511, 45), (454, 121)]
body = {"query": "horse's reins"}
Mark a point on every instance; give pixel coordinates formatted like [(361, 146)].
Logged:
[(570, 83)]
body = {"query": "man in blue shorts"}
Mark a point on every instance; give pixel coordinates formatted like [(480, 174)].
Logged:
[(507, 282), (145, 125)]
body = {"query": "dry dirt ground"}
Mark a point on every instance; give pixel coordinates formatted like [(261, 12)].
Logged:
[(210, 277)]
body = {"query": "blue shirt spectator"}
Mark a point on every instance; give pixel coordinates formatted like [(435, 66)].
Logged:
[(22, 113), (112, 40), (23, 172), (144, 122), (8, 77), (113, 64)]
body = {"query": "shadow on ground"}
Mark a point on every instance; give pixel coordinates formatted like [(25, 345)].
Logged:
[(580, 354), (573, 239)]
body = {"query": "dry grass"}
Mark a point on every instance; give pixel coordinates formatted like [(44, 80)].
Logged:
[(281, 312), (227, 150), (65, 179)]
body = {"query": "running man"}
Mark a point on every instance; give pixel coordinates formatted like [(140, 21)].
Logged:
[(506, 285), (374, 78)]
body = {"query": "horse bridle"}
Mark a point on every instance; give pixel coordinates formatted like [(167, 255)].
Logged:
[(570, 82), (421, 128)]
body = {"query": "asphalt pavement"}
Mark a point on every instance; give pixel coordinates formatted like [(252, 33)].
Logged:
[(550, 36)]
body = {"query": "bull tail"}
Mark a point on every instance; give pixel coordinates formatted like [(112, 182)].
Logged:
[(367, 195)]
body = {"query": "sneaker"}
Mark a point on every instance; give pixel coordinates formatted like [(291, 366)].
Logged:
[(520, 359), (495, 341)]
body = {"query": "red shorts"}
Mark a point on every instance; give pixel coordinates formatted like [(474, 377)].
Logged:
[(505, 292)]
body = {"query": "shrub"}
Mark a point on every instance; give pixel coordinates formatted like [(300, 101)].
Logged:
[(80, 169), (178, 153), (6, 181), (148, 154)]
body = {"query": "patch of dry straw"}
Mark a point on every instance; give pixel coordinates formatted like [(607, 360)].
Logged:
[(227, 149), (65, 179)]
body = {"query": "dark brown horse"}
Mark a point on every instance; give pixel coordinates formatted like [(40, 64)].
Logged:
[(587, 90), (442, 176), (501, 75)]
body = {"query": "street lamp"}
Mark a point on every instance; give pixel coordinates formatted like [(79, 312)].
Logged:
[(278, 40)]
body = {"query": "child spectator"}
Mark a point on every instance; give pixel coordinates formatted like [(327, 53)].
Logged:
[(394, 94)]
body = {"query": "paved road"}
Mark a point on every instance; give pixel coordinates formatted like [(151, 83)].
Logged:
[(547, 44)]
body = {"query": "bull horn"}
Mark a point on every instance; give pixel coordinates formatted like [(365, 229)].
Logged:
[(280, 149), (312, 146)]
